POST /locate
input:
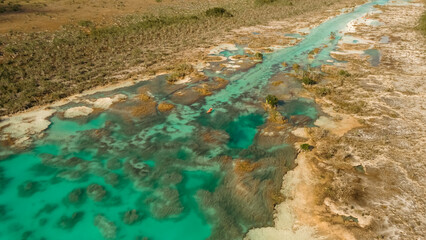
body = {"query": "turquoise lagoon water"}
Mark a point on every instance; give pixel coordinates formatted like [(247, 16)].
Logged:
[(174, 169), (300, 107)]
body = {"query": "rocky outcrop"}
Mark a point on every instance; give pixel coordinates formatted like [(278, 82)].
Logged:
[(27, 189), (77, 112), (105, 103), (18, 130)]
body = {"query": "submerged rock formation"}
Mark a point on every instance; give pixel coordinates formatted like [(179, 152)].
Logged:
[(131, 217), (135, 169), (4, 181), (165, 203), (113, 164), (96, 192), (76, 196), (107, 228), (66, 222), (28, 188)]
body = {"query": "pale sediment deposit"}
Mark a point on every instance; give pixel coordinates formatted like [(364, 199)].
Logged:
[(105, 103), (77, 112), (18, 129)]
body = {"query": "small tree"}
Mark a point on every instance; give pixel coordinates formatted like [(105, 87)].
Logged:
[(306, 147), (258, 56), (272, 100), (218, 12), (344, 73), (308, 81)]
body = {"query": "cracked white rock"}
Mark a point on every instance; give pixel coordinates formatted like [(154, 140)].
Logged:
[(77, 112)]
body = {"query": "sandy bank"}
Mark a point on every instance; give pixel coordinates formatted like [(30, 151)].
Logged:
[(364, 181)]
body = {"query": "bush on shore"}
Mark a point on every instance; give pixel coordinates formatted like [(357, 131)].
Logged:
[(218, 12), (272, 100)]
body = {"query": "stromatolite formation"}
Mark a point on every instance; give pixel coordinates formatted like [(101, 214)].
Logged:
[(96, 192), (107, 228)]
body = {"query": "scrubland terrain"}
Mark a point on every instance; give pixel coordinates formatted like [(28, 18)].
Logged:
[(140, 37)]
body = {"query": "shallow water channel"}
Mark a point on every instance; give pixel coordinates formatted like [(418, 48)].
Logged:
[(164, 175)]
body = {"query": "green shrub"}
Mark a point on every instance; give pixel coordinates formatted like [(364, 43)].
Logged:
[(310, 77), (258, 56), (218, 12), (10, 7), (306, 147), (16, 7), (272, 100), (344, 73), (308, 81), (422, 23)]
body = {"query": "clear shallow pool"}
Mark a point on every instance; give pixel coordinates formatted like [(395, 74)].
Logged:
[(299, 110), (374, 55), (176, 175)]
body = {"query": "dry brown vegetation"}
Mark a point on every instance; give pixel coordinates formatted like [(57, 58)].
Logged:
[(39, 68)]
